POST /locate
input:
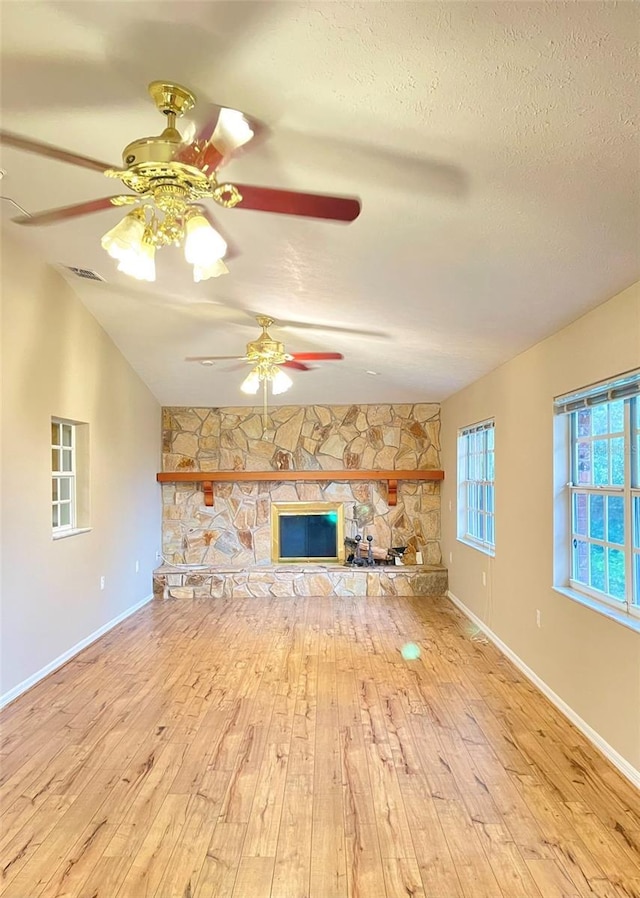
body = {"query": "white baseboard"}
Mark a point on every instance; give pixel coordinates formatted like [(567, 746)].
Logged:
[(66, 656), (627, 769)]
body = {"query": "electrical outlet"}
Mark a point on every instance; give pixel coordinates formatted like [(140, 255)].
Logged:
[(450, 505), (102, 579), (484, 578), (450, 557), (137, 566), (538, 620)]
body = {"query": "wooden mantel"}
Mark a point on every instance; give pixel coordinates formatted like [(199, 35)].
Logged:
[(208, 478)]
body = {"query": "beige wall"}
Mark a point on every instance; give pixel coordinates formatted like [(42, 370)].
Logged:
[(591, 662), (57, 360)]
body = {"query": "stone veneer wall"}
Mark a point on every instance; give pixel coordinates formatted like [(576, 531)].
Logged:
[(237, 529)]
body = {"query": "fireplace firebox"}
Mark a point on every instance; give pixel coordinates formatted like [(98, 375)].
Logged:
[(307, 532)]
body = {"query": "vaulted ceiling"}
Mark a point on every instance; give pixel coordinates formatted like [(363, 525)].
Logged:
[(494, 147)]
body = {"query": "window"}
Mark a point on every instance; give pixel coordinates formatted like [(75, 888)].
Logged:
[(476, 514), (69, 477), (63, 475), (604, 489)]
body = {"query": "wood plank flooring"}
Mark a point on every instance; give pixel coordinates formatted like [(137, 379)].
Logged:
[(282, 748)]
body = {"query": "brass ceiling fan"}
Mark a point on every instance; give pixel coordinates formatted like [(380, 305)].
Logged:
[(169, 177), (268, 357)]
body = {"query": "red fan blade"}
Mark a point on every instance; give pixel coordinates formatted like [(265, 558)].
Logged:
[(297, 365), (289, 202), (44, 149), (54, 215), (316, 356)]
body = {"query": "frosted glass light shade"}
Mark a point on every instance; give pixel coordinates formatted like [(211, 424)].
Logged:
[(203, 245), (232, 131), (280, 382), (140, 264), (201, 273), (124, 237), (251, 383)]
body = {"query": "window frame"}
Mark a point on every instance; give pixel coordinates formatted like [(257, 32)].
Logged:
[(474, 481), (60, 474), (628, 491)]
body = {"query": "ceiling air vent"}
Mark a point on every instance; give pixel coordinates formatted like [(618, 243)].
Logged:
[(86, 273)]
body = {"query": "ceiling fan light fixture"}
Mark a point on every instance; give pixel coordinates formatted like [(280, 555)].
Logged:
[(280, 382), (232, 131), (203, 246), (140, 263), (251, 383), (203, 273), (126, 236)]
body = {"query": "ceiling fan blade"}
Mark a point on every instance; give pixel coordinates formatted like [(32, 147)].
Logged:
[(316, 356), (291, 363), (215, 358), (289, 202), (44, 149), (52, 216)]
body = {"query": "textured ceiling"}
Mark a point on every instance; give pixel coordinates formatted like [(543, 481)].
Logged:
[(494, 147)]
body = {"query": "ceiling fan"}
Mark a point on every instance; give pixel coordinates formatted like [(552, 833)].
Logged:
[(169, 176), (268, 357)]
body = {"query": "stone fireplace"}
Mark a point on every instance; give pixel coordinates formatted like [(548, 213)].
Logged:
[(234, 536)]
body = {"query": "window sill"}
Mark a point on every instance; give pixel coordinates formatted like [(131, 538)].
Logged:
[(63, 534), (620, 617), (484, 549)]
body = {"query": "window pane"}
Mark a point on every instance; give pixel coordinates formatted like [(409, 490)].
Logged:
[(489, 497), (54, 515), (481, 526), (470, 495), (54, 488), (491, 474), (66, 434), (615, 520), (65, 514), (584, 462), (601, 462), (600, 419), (596, 517), (636, 522), (617, 461), (636, 591), (55, 459), (596, 554), (616, 574), (616, 416), (66, 460), (490, 438), (584, 423), (580, 561), (580, 513), (55, 434), (490, 531), (65, 488)]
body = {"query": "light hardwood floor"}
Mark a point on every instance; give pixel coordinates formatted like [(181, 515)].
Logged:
[(282, 748)]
